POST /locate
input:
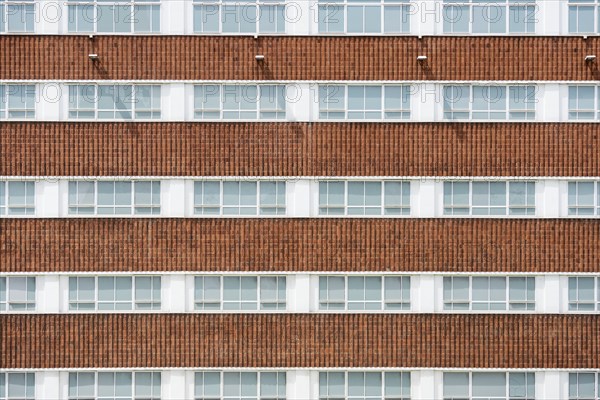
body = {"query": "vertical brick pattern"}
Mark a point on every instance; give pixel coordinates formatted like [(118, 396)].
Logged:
[(317, 244), (299, 340)]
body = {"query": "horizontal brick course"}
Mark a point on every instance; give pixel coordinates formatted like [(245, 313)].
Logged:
[(298, 58), (299, 149), (452, 245), (301, 340)]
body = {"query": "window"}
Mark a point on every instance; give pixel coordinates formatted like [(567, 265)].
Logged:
[(17, 16), (114, 385), (114, 198), (17, 198), (114, 102), (489, 16), (364, 16), (216, 385), (364, 385), (583, 16), (584, 198), (17, 386), (17, 101), (244, 17), (114, 16), (489, 102), (112, 293), (389, 198), (583, 386), (484, 293), (357, 293), (239, 293), (584, 293), (234, 102), (489, 385), (582, 102), (239, 198), (489, 198), (356, 102), (17, 293)]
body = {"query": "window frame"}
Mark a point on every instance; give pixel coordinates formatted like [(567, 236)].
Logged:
[(199, 303), (331, 7), (575, 305), (27, 92), (30, 306), (25, 210), (449, 304), (221, 10), (259, 380), (509, 90), (28, 8), (73, 304), (404, 376), (72, 16), (528, 375), (574, 210), (574, 6), (576, 376), (452, 210), (134, 377), (324, 305), (30, 378)]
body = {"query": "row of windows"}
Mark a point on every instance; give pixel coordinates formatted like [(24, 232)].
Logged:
[(269, 102), (489, 385), (272, 16), (115, 385), (269, 293), (268, 198)]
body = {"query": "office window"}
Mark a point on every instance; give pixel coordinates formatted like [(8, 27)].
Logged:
[(489, 17), (489, 198), (484, 293), (489, 385), (17, 293), (583, 386), (489, 102), (114, 102), (239, 293), (583, 16), (114, 385), (115, 16), (358, 293), (114, 198), (216, 385), (582, 102), (17, 101), (235, 102), (388, 198), (17, 385), (17, 198), (244, 198), (584, 293), (17, 16), (359, 102), (584, 198), (113, 293), (364, 17), (246, 17), (364, 385)]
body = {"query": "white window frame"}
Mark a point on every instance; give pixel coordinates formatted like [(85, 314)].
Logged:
[(73, 109), (238, 10), (449, 210), (404, 375), (574, 376), (332, 10), (573, 210), (505, 5), (6, 376), (27, 16), (574, 6), (134, 395), (25, 210), (129, 8), (257, 396), (133, 206), (573, 305), (7, 90), (96, 302), (282, 304), (506, 391), (327, 210), (530, 113), (6, 303), (326, 107), (449, 306), (577, 111), (405, 306)]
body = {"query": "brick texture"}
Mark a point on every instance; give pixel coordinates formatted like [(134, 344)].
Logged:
[(298, 149), (298, 58), (299, 340), (452, 245)]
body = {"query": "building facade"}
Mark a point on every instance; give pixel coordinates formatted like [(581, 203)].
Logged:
[(376, 199)]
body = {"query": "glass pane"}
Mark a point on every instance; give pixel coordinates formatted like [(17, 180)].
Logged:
[(456, 385), (489, 384)]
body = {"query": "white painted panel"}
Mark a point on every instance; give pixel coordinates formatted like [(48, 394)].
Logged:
[(175, 386), (47, 196), (298, 107), (175, 292), (298, 195), (299, 385), (551, 199), (177, 101), (48, 294), (423, 385), (173, 197), (49, 101), (551, 289), (424, 293), (299, 293)]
